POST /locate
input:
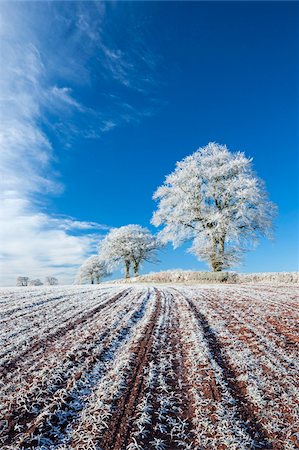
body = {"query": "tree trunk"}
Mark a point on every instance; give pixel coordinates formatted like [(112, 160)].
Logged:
[(136, 269), (215, 257), (127, 269), (216, 266), (217, 254), (221, 251)]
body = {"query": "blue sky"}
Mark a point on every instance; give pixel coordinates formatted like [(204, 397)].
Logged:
[(99, 100)]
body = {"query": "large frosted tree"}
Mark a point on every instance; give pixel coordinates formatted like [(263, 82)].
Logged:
[(129, 245), (214, 199)]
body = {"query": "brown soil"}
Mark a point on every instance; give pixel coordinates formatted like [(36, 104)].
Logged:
[(45, 344), (84, 362), (118, 431), (174, 348), (247, 411)]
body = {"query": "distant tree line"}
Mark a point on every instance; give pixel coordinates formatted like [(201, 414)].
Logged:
[(26, 281), (212, 199)]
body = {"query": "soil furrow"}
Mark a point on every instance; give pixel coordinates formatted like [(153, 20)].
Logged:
[(46, 342), (51, 425), (32, 306), (80, 360), (117, 434), (239, 326), (246, 410), (146, 368)]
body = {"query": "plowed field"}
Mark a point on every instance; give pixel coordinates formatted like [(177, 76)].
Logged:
[(144, 367)]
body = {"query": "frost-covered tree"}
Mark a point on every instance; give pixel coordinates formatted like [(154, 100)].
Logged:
[(36, 282), (130, 244), (92, 271), (214, 199), (51, 281), (22, 281)]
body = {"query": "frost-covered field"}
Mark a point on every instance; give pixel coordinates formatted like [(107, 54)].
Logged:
[(139, 367)]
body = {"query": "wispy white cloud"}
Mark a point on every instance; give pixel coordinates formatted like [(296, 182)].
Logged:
[(133, 67), (69, 223), (63, 97), (108, 125), (117, 65), (33, 242), (40, 69)]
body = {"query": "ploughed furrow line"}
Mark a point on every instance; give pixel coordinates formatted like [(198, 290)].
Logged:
[(172, 410), (247, 411), (52, 426), (47, 321), (252, 334), (41, 322), (33, 310), (153, 409), (46, 342), (25, 398), (94, 418), (247, 326), (117, 432), (278, 317), (142, 407), (270, 347), (27, 368), (144, 368), (168, 400), (285, 297), (289, 332), (43, 298), (223, 416), (16, 295), (263, 377), (21, 329), (269, 304), (256, 318), (17, 303)]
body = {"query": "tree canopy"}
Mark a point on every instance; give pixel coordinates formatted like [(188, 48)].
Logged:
[(214, 199), (130, 244), (92, 271)]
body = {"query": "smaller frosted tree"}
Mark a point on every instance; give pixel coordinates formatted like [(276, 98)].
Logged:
[(92, 271), (214, 199), (51, 281), (129, 245), (22, 281)]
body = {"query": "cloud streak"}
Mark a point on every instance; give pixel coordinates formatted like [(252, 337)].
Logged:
[(36, 245), (43, 65), (63, 97), (33, 243)]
